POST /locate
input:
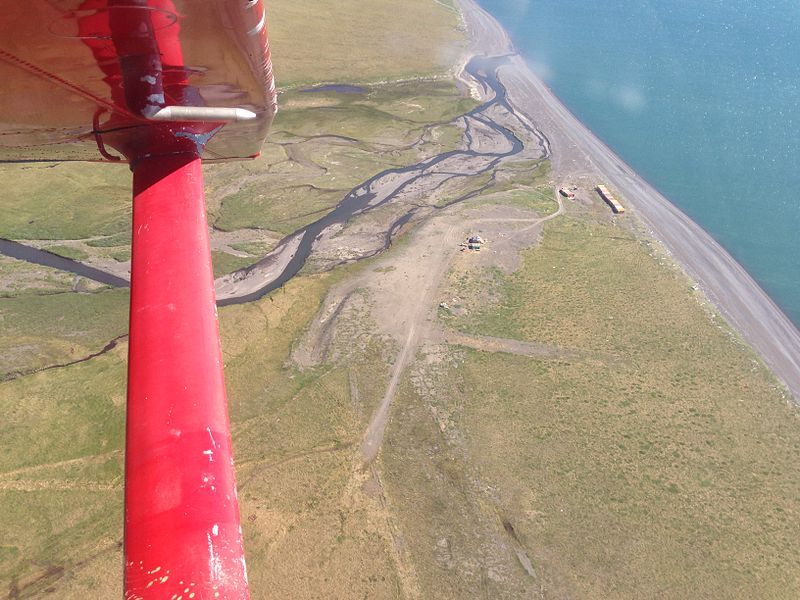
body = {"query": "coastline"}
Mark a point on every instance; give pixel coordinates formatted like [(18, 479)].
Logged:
[(580, 154)]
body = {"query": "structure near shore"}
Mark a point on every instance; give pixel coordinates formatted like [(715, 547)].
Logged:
[(609, 199)]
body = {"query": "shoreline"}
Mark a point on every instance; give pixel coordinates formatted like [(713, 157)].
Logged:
[(578, 154)]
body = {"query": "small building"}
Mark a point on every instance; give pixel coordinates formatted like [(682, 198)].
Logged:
[(609, 199), (474, 242), (567, 193)]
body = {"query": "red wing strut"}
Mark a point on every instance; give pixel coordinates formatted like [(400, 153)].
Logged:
[(158, 84)]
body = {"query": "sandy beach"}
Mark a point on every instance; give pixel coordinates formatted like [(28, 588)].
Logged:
[(578, 154)]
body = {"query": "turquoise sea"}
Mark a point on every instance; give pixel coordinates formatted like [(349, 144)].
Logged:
[(701, 97)]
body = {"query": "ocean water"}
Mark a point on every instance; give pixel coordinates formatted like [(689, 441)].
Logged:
[(701, 97)]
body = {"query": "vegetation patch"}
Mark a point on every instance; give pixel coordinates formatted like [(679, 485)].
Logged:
[(282, 211), (111, 241), (350, 41), (664, 458), (256, 248), (225, 263), (61, 475), (540, 199), (296, 434), (64, 201), (70, 252), (44, 330), (449, 526)]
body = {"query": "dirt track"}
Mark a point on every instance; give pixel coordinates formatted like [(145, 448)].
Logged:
[(404, 292), (577, 151)]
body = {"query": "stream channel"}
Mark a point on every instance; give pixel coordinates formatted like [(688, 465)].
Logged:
[(360, 199)]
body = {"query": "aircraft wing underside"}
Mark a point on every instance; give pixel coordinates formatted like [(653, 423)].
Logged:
[(66, 68)]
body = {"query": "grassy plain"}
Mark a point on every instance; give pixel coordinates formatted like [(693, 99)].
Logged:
[(352, 41), (63, 201), (49, 329), (663, 462), (308, 532), (60, 479)]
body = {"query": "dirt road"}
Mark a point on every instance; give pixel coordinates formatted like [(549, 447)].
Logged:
[(405, 299), (411, 304)]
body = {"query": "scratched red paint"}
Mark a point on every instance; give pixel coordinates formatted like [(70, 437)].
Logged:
[(182, 513)]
